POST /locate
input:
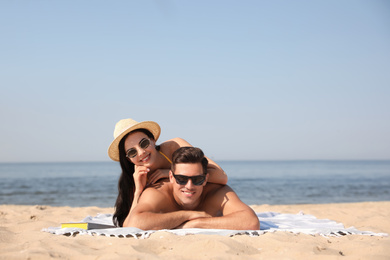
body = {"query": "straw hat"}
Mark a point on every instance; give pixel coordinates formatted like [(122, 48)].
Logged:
[(125, 126)]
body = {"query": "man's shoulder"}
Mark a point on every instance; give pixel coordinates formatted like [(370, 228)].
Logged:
[(157, 190), (215, 186), (161, 186), (215, 198), (212, 189)]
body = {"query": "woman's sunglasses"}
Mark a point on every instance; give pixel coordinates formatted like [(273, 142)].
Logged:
[(143, 144), (196, 180)]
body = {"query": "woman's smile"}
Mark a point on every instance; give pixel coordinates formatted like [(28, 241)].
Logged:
[(146, 158)]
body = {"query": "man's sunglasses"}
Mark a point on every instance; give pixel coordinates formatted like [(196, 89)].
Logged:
[(143, 144), (196, 180)]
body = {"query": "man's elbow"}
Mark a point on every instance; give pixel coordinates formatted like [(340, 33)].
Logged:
[(143, 221), (252, 223), (247, 220), (134, 221), (255, 224), (129, 223), (138, 225)]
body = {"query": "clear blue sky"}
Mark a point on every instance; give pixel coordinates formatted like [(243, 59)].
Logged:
[(263, 80)]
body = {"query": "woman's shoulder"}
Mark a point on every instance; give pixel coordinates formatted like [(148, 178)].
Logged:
[(169, 146), (177, 140)]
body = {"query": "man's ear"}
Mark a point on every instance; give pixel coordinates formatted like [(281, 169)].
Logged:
[(171, 178), (207, 179)]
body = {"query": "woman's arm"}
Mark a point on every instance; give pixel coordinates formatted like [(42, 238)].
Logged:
[(140, 181), (216, 173)]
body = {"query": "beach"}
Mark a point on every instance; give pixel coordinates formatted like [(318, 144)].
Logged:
[(21, 236)]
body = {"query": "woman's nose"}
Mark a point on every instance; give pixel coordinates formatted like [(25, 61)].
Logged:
[(140, 150)]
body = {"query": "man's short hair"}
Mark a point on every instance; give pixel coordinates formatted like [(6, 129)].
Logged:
[(189, 155)]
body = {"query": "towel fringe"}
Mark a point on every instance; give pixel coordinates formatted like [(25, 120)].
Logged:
[(269, 222)]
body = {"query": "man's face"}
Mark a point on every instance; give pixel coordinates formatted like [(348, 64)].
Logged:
[(187, 195)]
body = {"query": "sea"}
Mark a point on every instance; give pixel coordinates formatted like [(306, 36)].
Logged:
[(80, 184)]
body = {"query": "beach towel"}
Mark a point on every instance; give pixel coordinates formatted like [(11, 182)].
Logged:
[(269, 222)]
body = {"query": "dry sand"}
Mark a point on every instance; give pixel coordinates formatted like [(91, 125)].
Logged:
[(21, 237)]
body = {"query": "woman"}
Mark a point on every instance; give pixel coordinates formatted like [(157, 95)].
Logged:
[(144, 163)]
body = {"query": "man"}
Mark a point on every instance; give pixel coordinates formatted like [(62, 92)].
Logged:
[(188, 201)]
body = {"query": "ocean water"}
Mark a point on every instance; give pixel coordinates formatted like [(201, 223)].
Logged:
[(256, 182)]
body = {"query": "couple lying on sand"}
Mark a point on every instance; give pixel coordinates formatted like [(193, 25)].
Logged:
[(171, 185)]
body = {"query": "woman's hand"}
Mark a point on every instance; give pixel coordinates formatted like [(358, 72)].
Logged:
[(158, 175), (140, 177)]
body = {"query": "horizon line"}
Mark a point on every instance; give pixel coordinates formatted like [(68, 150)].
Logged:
[(220, 160)]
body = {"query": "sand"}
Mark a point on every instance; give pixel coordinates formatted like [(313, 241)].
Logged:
[(21, 237)]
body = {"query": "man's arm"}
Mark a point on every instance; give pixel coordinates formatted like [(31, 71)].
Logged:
[(236, 215), (155, 211)]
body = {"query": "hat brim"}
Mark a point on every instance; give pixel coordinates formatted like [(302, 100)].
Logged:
[(153, 127)]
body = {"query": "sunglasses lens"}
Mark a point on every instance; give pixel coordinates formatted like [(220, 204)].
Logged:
[(181, 180), (131, 153), (198, 180), (144, 143)]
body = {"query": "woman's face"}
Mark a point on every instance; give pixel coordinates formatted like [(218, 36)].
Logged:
[(144, 156)]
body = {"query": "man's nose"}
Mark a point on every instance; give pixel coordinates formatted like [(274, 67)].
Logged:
[(189, 184)]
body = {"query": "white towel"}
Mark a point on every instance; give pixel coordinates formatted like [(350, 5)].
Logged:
[(269, 222)]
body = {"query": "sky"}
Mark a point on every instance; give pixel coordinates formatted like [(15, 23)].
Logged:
[(243, 80)]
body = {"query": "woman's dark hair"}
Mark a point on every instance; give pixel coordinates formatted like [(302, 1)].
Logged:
[(189, 155), (126, 186)]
